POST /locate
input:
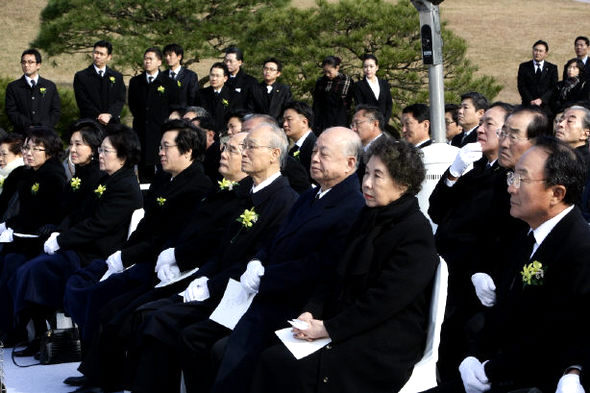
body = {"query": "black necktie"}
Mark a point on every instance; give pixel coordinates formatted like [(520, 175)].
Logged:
[(172, 75), (150, 79), (530, 243), (32, 83), (538, 72), (100, 73)]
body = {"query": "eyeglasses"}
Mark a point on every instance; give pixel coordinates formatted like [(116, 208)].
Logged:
[(231, 149), (102, 150), (357, 123), (270, 69), (29, 62), (251, 146), (513, 137), (25, 149), (165, 147), (514, 179)]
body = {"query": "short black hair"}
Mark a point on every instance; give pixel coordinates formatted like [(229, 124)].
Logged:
[(564, 166), (332, 61), (126, 142), (155, 50), (541, 42), (373, 113), (369, 56), (91, 131), (403, 161), (478, 100), (221, 66), (274, 60), (453, 109), (583, 38), (104, 44), (15, 141), (175, 48), (47, 137), (420, 112), (506, 107), (303, 109), (189, 138), (540, 125), (33, 52), (236, 51)]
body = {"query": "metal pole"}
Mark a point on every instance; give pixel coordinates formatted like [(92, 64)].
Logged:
[(437, 103)]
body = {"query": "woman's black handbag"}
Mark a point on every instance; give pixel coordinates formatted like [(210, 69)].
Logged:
[(60, 346)]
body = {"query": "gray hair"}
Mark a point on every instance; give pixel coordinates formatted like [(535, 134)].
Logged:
[(586, 119), (353, 147), (276, 140), (198, 110)]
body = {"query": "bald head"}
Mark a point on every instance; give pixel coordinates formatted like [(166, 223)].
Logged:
[(335, 156)]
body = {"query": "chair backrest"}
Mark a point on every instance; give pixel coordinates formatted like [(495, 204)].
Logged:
[(437, 309), (135, 219)]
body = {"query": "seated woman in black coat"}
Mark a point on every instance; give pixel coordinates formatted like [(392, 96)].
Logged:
[(376, 308), (572, 88), (93, 231), (12, 172)]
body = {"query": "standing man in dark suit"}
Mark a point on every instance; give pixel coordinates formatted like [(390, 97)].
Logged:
[(416, 125), (537, 78), (152, 96), (100, 90), (219, 99), (473, 105), (372, 90), (238, 80), (187, 80), (297, 123), (536, 335), (581, 44), (270, 97), (32, 100)]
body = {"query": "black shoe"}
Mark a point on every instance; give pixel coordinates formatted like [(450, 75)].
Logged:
[(31, 349), (76, 381)]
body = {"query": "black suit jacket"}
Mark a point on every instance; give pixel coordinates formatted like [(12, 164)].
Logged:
[(151, 105), (294, 171), (458, 141), (530, 87), (242, 83), (271, 104), (219, 105), (26, 107), (96, 95), (536, 331), (165, 219), (303, 153), (188, 83), (104, 228), (364, 95)]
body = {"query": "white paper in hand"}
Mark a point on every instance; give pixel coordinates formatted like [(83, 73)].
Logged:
[(300, 348), (233, 305), (177, 279)]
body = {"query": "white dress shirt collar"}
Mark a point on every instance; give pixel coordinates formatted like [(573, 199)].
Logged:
[(36, 79), (543, 230), (103, 69), (302, 139), (266, 182)]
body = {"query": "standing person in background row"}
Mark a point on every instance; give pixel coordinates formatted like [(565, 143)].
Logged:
[(372, 90), (32, 100), (186, 80), (152, 96), (332, 97), (100, 90), (537, 78)]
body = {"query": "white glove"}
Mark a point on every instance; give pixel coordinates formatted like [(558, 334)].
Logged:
[(115, 263), (6, 236), (474, 376), (570, 383), (250, 280), (485, 289), (168, 273), (166, 257), (468, 154), (197, 290), (2, 227), (51, 246)]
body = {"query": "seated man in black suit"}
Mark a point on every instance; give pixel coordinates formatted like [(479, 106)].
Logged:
[(100, 90), (32, 100), (187, 80), (473, 105), (574, 129), (537, 78), (452, 121), (269, 96), (416, 125), (297, 123), (536, 335)]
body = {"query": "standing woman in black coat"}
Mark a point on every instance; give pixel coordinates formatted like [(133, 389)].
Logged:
[(375, 309), (37, 288), (372, 90), (332, 97)]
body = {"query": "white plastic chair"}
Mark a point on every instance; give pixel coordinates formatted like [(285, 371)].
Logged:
[(135, 219), (424, 374)]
